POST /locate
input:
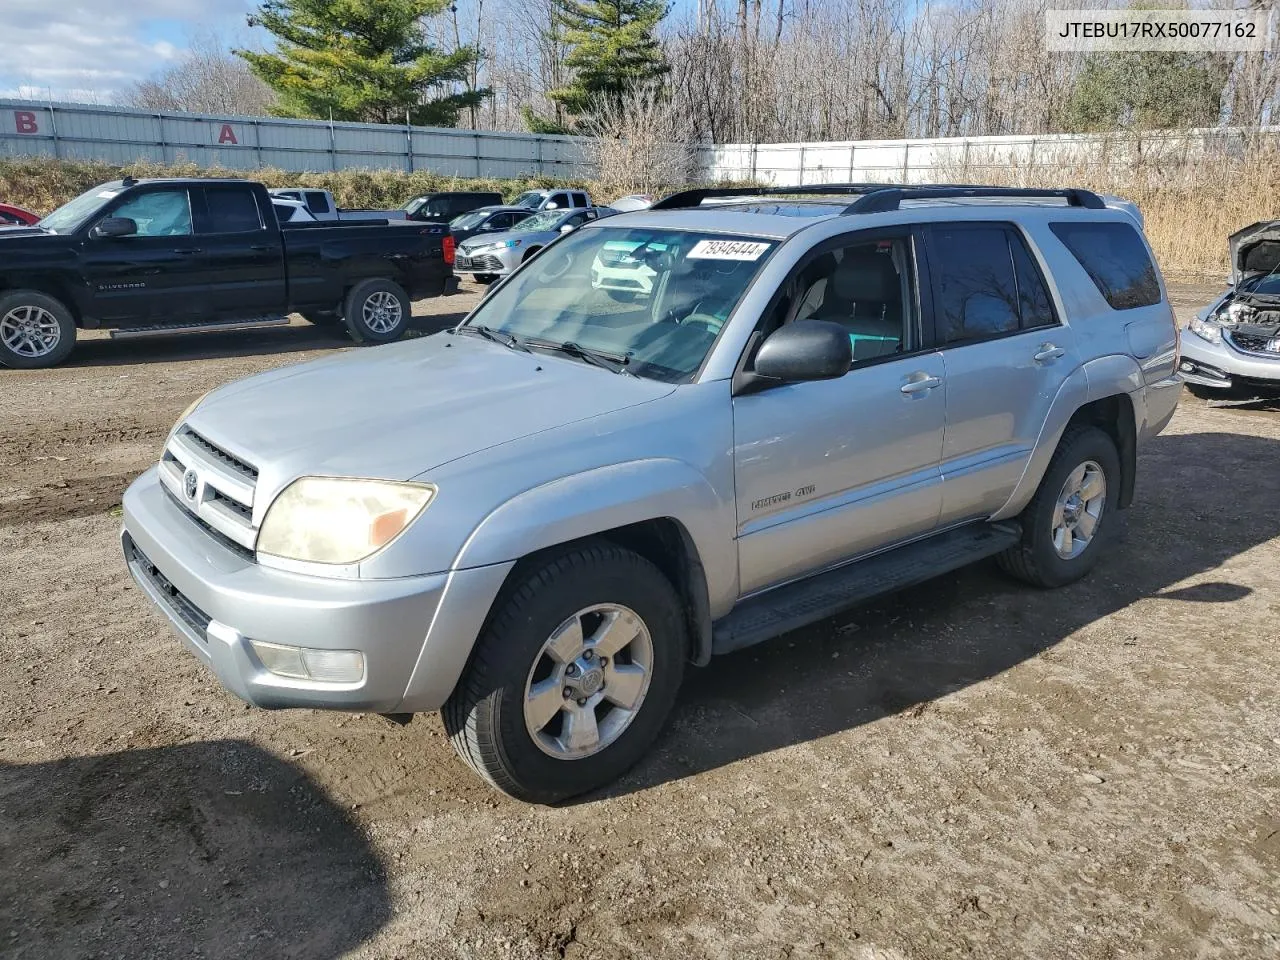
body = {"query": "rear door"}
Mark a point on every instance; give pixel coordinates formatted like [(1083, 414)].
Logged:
[(1006, 354), (242, 248), (157, 275)]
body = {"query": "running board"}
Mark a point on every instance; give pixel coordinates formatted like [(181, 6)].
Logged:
[(799, 604), (161, 329)]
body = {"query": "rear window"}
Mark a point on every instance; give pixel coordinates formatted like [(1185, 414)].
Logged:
[(317, 202), (232, 209), (1116, 260)]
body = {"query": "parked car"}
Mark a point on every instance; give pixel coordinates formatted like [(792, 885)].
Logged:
[(321, 205), (1232, 347), (12, 216), (632, 202), (492, 255), (448, 206), (807, 410), (553, 200), (487, 220), (140, 257)]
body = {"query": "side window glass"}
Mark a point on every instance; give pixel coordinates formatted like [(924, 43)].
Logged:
[(560, 200), (579, 200), (317, 202), (501, 221), (231, 210), (159, 213), (576, 220), (1116, 260), (1034, 304), (977, 294), (862, 287), (436, 207)]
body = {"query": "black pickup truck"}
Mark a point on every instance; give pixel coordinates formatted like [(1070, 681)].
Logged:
[(142, 257)]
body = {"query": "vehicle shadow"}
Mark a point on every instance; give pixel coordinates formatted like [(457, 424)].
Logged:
[(297, 337), (214, 849), (899, 653)]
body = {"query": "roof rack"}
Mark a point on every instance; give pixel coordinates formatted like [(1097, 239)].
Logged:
[(881, 197), (887, 200)]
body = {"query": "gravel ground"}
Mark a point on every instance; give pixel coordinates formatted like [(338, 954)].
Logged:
[(972, 769)]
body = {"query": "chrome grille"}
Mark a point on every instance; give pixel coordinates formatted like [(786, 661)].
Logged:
[(482, 264), (215, 486)]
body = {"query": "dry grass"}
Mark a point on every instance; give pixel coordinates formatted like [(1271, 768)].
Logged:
[(1191, 201)]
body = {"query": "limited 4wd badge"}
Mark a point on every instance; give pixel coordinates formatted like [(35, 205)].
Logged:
[(728, 250)]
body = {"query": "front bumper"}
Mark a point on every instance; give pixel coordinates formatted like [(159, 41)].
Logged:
[(1223, 366), (217, 600), (495, 263)]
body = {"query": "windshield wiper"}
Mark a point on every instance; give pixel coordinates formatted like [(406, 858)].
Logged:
[(615, 362), (506, 339)]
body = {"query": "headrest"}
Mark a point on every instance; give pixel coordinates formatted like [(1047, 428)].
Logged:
[(865, 277)]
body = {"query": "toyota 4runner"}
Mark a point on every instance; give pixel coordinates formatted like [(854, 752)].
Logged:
[(535, 521)]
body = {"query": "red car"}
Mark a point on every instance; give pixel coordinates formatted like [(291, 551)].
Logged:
[(11, 216)]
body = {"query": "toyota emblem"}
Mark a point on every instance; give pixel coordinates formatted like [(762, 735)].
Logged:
[(190, 482)]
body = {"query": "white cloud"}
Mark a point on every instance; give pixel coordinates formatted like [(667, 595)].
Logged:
[(92, 49)]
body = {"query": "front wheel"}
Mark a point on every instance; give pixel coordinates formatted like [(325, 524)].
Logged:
[(377, 311), (35, 330), (485, 278), (1066, 526), (574, 674)]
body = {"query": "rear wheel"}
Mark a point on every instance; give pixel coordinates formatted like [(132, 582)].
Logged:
[(1067, 524), (377, 311), (36, 330), (573, 676)]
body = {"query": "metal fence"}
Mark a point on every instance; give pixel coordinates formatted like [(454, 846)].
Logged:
[(117, 135)]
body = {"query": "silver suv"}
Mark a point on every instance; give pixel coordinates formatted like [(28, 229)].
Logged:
[(537, 520)]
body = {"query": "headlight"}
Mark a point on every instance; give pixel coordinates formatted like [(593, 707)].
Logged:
[(510, 243), (1206, 329), (339, 521)]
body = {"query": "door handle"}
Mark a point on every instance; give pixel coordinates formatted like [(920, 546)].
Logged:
[(1049, 352), (259, 247), (920, 383), (188, 251)]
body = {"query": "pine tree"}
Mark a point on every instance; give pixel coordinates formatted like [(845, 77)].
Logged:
[(612, 49), (365, 60)]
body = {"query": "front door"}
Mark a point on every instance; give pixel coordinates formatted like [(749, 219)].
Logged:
[(1006, 353), (155, 275), (827, 471)]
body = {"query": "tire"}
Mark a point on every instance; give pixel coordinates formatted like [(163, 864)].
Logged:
[(363, 312), (531, 759), (36, 330), (323, 318), (485, 278), (621, 296), (1038, 560)]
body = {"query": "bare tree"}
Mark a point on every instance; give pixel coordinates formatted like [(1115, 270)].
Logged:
[(643, 144), (208, 78)]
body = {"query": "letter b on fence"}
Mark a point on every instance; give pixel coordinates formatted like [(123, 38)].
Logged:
[(24, 121)]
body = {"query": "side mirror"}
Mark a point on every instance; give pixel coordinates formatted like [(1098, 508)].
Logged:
[(568, 228), (116, 227), (552, 206), (805, 350)]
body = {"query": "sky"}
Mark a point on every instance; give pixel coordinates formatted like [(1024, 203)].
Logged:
[(89, 50)]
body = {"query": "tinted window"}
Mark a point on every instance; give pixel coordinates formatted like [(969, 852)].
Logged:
[(861, 287), (501, 221), (977, 295), (10, 218), (579, 200), (1034, 304), (231, 210), (1116, 260), (159, 213), (560, 200), (317, 202)]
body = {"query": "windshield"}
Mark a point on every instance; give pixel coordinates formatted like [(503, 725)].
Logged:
[(530, 200), (69, 217), (546, 220), (656, 297), (467, 221)]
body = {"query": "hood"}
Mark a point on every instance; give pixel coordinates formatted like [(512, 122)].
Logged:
[(19, 231), (1255, 249), (398, 411)]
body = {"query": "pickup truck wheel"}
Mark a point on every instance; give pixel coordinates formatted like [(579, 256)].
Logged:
[(35, 330), (377, 311), (573, 676), (1066, 525)]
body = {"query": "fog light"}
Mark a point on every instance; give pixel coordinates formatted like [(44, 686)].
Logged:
[(308, 663)]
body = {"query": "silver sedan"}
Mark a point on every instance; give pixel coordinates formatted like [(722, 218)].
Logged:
[(493, 255)]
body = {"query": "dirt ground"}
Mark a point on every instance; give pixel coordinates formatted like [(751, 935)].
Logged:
[(971, 769)]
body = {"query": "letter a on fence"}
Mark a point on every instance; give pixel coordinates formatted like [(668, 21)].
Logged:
[(227, 135)]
